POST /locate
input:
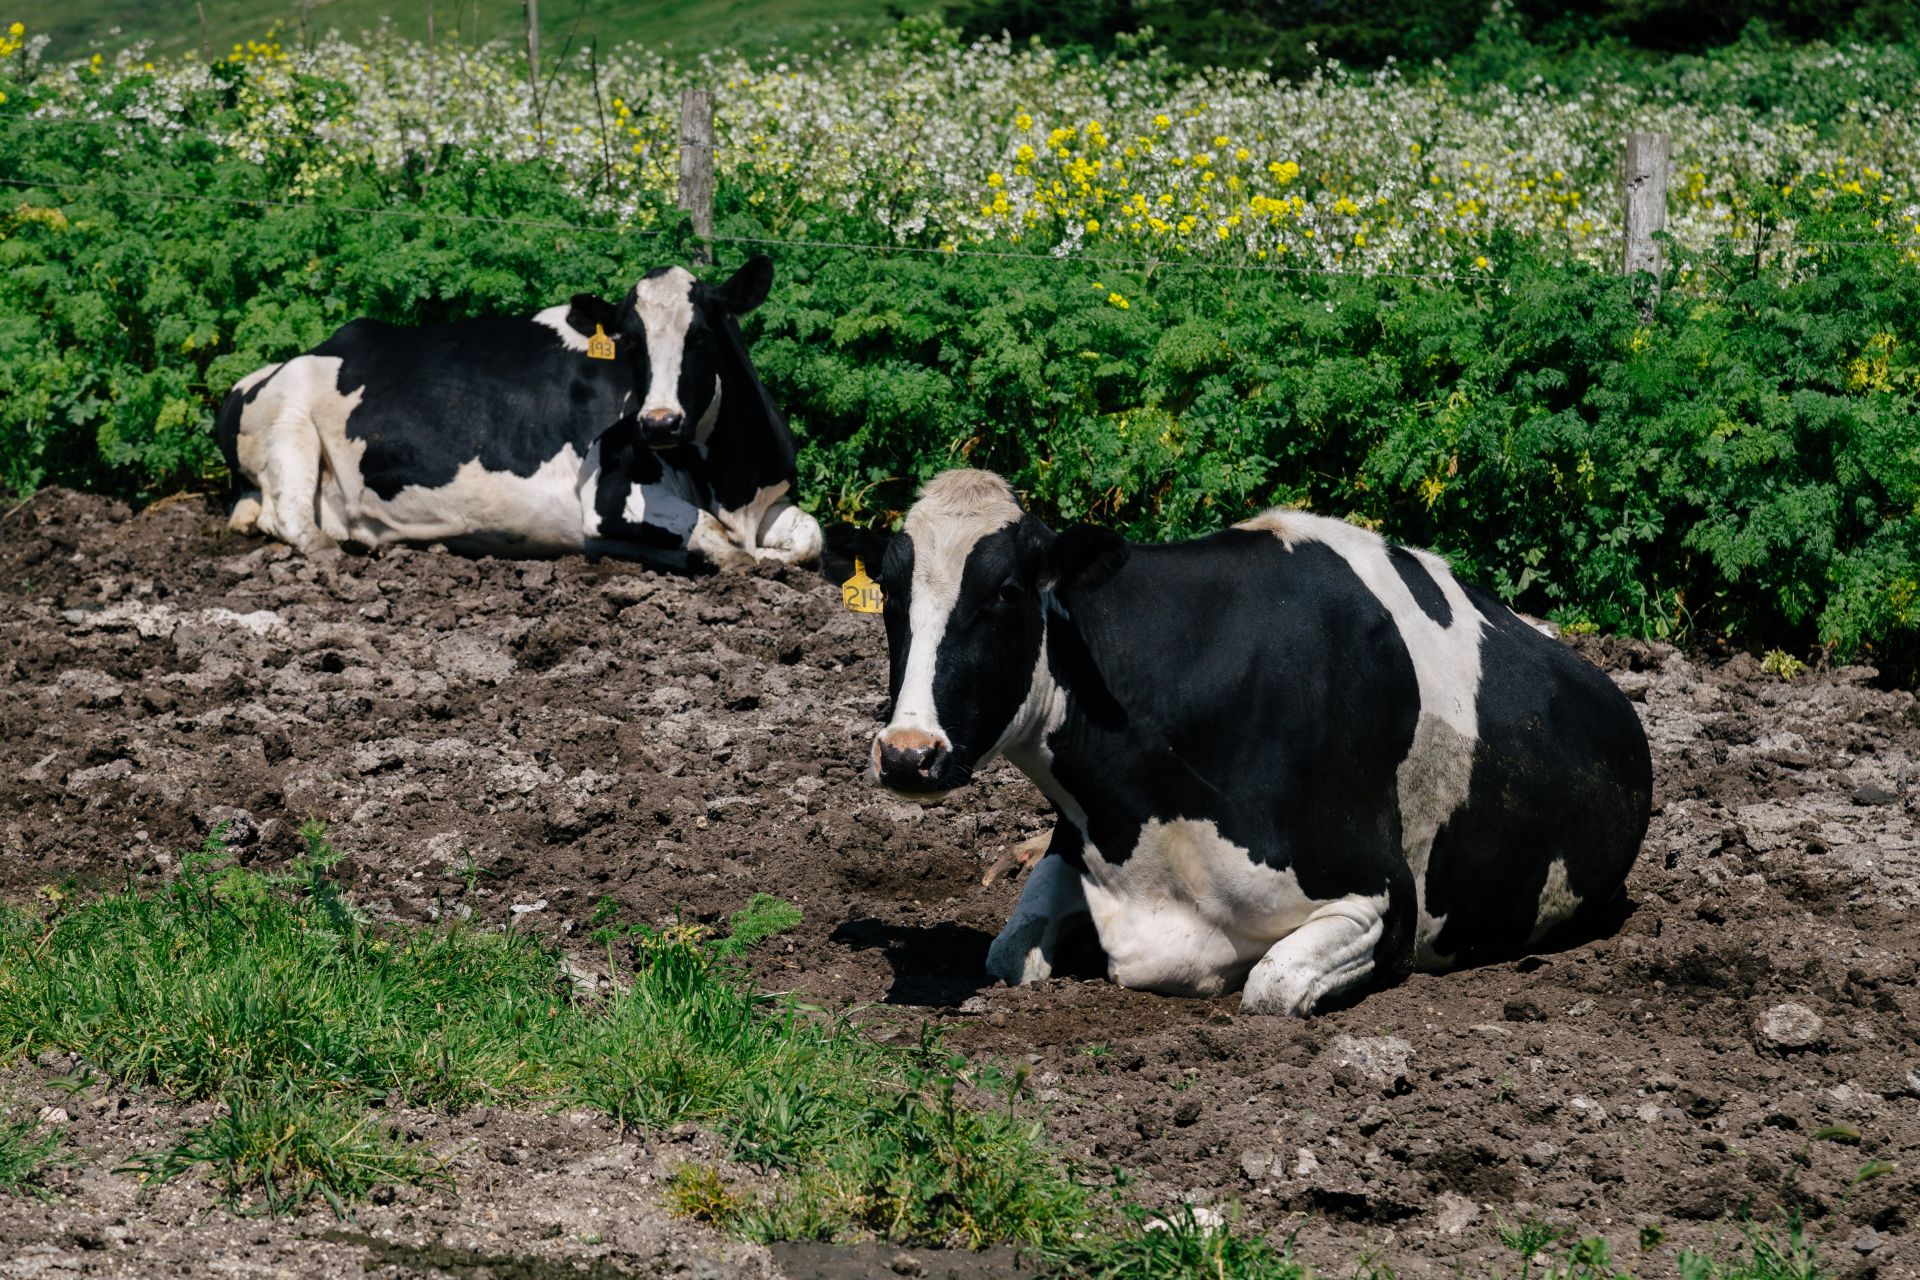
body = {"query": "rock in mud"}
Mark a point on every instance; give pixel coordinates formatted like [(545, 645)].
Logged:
[(1788, 1027)]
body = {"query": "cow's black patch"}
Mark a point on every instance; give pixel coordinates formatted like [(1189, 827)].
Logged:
[(500, 390), (1265, 689), (1561, 770), (1426, 592)]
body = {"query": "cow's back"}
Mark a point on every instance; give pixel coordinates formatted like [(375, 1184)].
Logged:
[(504, 391)]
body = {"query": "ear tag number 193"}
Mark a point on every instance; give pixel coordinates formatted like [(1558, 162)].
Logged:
[(599, 346), (861, 593)]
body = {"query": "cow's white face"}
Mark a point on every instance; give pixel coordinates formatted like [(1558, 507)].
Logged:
[(964, 628), (673, 331)]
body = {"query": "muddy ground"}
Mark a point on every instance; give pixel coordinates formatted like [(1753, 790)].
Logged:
[(516, 740)]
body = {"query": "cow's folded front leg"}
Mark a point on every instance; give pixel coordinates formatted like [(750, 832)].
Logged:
[(1333, 952), (789, 535), (1053, 897), (710, 544)]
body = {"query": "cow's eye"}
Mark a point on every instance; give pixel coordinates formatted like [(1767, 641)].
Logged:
[(1012, 592)]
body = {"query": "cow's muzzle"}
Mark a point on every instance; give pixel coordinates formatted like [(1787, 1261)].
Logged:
[(916, 763), (663, 428)]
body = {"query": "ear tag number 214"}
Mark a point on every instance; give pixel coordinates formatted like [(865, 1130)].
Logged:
[(861, 593)]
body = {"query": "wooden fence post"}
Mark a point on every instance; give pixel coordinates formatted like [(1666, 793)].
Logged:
[(1645, 197), (696, 166), (531, 8)]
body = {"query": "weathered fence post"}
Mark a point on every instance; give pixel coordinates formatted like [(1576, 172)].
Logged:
[(1645, 192), (696, 166), (532, 10)]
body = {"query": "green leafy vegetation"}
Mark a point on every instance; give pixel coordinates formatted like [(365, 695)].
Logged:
[(1739, 467)]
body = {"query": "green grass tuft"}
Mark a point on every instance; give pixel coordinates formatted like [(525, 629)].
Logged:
[(293, 1149), (27, 1151)]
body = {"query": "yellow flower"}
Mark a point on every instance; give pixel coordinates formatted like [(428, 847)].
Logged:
[(995, 180), (1117, 301), (1162, 121), (1241, 154), (1024, 155), (1023, 121), (1093, 225), (1481, 262), (17, 30), (1283, 171), (1219, 139)]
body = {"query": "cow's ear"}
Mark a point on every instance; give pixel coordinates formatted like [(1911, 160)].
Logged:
[(585, 311), (1081, 558), (749, 285), (847, 543)]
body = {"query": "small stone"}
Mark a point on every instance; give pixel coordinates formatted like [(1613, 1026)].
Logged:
[(1541, 1155), (522, 908), (1454, 1213), (1255, 1164), (1186, 1113), (1305, 1163), (1581, 1010), (1872, 793), (1788, 1026), (973, 1004), (905, 1264), (1380, 1060), (1865, 1241), (54, 1115), (1372, 1120)]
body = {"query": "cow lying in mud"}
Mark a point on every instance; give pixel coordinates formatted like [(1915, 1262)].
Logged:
[(1288, 756), (520, 435)]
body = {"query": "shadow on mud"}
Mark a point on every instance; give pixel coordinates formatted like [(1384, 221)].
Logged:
[(940, 966)]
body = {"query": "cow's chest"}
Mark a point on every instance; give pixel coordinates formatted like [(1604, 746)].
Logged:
[(1189, 911)]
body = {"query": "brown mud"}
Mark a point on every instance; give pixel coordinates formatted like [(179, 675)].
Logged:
[(516, 740)]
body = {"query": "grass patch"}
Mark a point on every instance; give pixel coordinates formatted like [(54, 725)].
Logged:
[(268, 995), (27, 1151)]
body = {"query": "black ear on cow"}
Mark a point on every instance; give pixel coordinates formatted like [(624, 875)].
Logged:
[(585, 311), (847, 543), (1081, 558), (749, 285)]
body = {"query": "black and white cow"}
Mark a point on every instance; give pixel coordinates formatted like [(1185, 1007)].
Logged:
[(1289, 756), (524, 435)]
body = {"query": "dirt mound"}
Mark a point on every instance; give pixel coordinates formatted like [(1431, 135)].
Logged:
[(519, 740)]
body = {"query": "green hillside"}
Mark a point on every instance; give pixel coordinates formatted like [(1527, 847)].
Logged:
[(80, 27)]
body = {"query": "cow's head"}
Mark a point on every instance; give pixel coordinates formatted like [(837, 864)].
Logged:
[(676, 332), (963, 582)]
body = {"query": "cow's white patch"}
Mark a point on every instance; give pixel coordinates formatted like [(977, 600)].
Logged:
[(482, 511), (955, 510), (292, 441), (1558, 901), (555, 318), (1188, 911), (1434, 778), (665, 305), (255, 378)]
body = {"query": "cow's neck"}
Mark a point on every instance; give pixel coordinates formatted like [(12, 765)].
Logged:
[(1042, 712)]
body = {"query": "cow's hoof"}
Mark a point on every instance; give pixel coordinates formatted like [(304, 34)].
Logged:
[(1018, 956), (1277, 1000)]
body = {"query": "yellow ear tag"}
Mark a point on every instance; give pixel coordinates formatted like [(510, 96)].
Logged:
[(599, 346), (861, 593)]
